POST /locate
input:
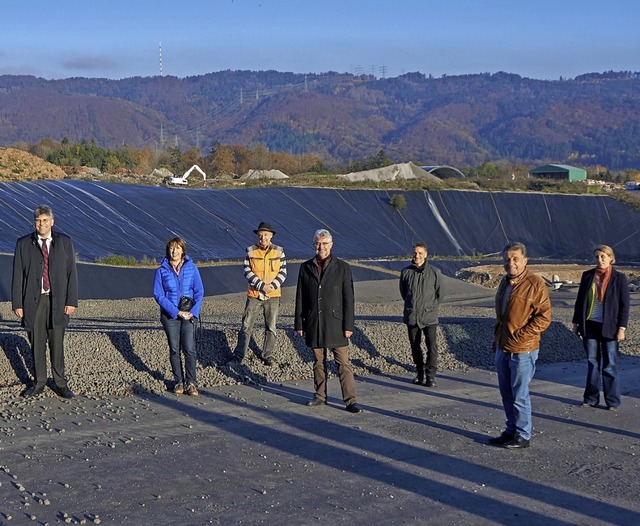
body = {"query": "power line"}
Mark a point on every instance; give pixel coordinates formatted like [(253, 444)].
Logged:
[(231, 111)]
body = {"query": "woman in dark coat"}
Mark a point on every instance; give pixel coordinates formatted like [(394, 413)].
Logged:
[(600, 317), (324, 315)]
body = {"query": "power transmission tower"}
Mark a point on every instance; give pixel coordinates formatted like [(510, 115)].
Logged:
[(161, 59)]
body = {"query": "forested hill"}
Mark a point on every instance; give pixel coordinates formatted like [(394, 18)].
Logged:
[(460, 120)]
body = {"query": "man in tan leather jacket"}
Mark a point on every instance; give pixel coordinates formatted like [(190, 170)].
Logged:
[(523, 312)]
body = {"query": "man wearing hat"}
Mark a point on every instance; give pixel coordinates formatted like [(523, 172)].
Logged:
[(265, 268)]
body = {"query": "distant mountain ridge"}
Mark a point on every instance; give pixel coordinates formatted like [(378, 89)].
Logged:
[(465, 120)]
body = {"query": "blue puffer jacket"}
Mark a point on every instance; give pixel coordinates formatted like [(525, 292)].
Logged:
[(168, 287)]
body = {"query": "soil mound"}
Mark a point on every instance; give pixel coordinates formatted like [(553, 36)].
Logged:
[(17, 165)]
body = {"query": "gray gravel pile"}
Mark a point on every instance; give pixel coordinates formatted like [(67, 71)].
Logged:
[(119, 347)]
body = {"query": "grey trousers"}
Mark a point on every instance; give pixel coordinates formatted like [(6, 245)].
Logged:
[(253, 307)]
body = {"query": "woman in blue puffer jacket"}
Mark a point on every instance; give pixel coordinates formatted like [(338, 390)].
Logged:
[(178, 278)]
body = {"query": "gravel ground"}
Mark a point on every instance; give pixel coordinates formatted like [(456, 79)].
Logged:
[(247, 451), (118, 347)]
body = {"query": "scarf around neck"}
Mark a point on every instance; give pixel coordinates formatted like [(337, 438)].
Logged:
[(601, 279)]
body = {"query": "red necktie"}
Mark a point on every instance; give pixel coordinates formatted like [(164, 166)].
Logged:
[(46, 286)]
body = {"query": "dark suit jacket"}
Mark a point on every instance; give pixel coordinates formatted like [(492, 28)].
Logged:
[(616, 303), (27, 278), (325, 306)]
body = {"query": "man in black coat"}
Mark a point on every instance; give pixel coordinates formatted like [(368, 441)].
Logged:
[(324, 315), (44, 293), (420, 288)]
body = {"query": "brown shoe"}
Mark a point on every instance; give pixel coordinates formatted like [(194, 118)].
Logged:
[(178, 389), (191, 390)]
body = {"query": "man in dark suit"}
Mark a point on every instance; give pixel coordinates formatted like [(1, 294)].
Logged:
[(325, 316), (44, 293)]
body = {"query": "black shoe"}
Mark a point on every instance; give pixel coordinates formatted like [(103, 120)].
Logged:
[(418, 380), (315, 402), (268, 362), (517, 442), (430, 382), (64, 392), (502, 439), (353, 408), (34, 390)]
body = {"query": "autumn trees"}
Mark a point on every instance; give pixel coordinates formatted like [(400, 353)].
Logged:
[(221, 161)]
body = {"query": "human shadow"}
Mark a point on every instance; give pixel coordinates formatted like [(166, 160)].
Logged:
[(18, 351), (98, 324), (339, 446), (470, 340), (242, 373), (212, 347), (291, 393), (391, 381), (360, 340), (299, 345), (378, 317), (121, 340)]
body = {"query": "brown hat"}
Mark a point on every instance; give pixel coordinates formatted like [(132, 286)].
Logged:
[(264, 227)]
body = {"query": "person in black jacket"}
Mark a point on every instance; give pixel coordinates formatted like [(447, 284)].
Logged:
[(420, 288), (44, 293), (324, 315), (600, 317)]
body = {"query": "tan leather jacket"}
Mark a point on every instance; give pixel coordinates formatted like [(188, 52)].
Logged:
[(528, 313)]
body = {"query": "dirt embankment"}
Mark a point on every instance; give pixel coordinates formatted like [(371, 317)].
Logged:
[(490, 275), (16, 165)]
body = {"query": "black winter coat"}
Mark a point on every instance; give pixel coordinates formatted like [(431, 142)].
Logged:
[(420, 288), (27, 278), (325, 306)]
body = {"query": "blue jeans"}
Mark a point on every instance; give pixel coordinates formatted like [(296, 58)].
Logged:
[(181, 336), (602, 364), (515, 372), (269, 310)]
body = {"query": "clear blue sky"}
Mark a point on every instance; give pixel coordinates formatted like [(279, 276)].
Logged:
[(542, 39)]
